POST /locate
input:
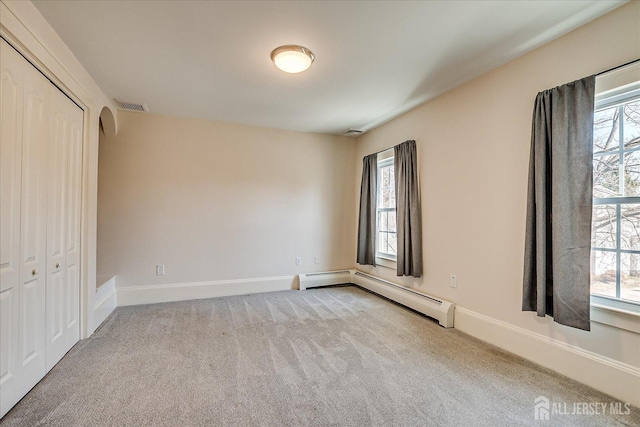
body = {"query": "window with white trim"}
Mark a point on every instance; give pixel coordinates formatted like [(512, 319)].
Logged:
[(615, 254), (386, 242)]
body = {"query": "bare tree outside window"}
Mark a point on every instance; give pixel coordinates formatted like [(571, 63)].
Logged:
[(387, 237), (615, 260)]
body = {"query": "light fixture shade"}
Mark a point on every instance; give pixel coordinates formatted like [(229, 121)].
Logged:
[(292, 58)]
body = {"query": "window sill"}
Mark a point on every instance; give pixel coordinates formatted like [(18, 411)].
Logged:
[(613, 314), (385, 262)]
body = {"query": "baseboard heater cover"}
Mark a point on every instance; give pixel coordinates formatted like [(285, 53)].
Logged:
[(325, 278), (436, 308)]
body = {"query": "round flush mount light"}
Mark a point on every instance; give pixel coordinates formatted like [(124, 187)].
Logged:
[(292, 58)]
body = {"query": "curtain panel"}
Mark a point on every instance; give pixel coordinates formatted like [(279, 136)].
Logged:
[(367, 216), (559, 205), (408, 212)]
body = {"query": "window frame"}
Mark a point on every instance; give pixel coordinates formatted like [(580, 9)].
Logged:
[(384, 162), (602, 303)]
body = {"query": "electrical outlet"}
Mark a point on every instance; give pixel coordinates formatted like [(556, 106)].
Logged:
[(298, 260), (160, 270), (454, 281), (317, 259)]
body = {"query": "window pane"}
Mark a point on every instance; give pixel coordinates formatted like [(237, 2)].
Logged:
[(603, 228), (603, 273), (382, 221), (386, 195), (631, 126), (392, 197), (630, 227), (392, 221), (632, 174), (382, 242), (380, 186), (385, 177), (630, 277), (605, 130), (387, 189), (392, 188), (606, 172), (393, 244)]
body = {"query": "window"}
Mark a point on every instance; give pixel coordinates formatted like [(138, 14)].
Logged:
[(615, 255), (386, 210)]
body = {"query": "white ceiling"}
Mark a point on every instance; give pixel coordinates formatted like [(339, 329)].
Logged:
[(374, 59)]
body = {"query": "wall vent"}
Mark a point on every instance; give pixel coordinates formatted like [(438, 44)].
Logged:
[(353, 132), (132, 106)]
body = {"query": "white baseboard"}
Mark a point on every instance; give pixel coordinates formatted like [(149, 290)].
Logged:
[(135, 295), (615, 378), (105, 301)]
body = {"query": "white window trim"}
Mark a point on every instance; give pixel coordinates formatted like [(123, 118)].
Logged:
[(383, 259), (614, 312), (387, 262), (617, 313)]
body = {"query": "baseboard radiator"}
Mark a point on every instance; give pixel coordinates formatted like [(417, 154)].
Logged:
[(436, 308), (325, 278)]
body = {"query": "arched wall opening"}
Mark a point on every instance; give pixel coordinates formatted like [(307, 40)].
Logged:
[(105, 267)]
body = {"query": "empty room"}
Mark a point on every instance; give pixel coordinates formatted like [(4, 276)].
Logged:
[(319, 213)]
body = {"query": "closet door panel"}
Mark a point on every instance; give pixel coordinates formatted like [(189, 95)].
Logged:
[(24, 124), (74, 195), (63, 245), (56, 230), (8, 372), (33, 225), (11, 98), (11, 89)]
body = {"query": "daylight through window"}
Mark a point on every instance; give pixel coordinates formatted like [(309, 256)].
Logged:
[(386, 225), (615, 256)]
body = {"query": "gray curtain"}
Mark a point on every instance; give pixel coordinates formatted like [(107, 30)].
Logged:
[(408, 213), (367, 216), (558, 233)]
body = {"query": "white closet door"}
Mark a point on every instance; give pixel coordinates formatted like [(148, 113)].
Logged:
[(22, 294), (40, 210), (11, 88), (63, 227), (73, 224)]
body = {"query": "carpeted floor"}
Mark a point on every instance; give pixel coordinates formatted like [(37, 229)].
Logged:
[(322, 357)]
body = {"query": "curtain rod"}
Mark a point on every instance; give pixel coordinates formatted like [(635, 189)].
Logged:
[(381, 151), (618, 66), (389, 148)]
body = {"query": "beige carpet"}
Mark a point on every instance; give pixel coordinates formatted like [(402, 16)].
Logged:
[(322, 357)]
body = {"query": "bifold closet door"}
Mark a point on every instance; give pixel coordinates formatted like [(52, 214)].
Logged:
[(40, 193), (23, 136), (63, 228)]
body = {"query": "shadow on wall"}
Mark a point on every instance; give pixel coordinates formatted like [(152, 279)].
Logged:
[(107, 125)]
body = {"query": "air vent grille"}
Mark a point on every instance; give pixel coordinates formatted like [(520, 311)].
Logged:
[(132, 106), (353, 132)]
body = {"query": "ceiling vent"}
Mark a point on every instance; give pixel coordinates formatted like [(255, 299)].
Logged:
[(353, 132), (132, 106)]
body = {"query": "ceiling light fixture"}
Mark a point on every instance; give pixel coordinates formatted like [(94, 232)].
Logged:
[(292, 58)]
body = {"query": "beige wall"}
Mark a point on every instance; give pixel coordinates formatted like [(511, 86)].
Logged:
[(216, 201), (473, 149)]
